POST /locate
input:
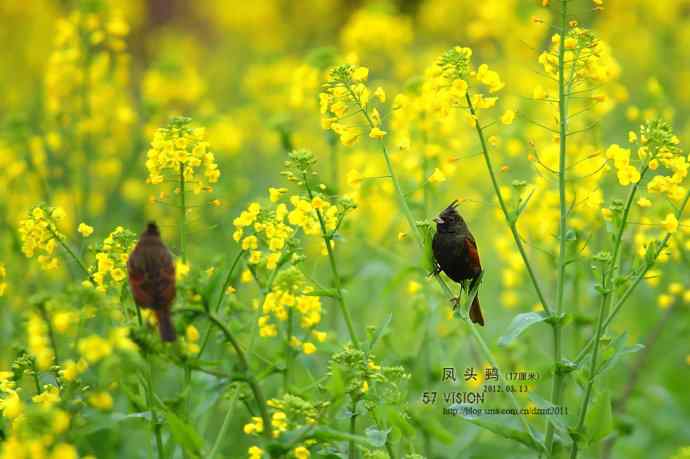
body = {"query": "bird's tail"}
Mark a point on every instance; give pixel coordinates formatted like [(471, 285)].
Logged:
[(476, 312), (165, 325)]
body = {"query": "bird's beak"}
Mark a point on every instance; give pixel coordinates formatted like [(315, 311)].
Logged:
[(439, 220)]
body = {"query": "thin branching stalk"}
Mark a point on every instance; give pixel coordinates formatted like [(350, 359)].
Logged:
[(557, 387), (288, 351), (224, 427), (251, 380), (244, 367), (327, 238), (183, 215), (221, 296), (73, 255), (415, 231), (592, 369), (618, 305), (155, 425), (352, 452), (512, 221)]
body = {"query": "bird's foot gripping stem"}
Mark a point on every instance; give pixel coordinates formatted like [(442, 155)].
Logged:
[(436, 271), (455, 301)]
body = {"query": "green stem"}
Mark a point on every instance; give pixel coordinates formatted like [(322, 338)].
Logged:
[(420, 243), (353, 430), (334, 270), (155, 426), (556, 389), (592, 370), (490, 358), (221, 296), (288, 351), (183, 215), (638, 278), (512, 223), (391, 173), (224, 427), (73, 255), (244, 366)]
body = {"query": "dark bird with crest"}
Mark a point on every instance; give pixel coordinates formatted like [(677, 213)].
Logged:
[(152, 278), (456, 254)]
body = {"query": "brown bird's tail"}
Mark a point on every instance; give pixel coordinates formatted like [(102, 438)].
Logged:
[(165, 325), (476, 312)]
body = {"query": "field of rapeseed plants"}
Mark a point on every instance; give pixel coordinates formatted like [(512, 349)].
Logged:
[(295, 157)]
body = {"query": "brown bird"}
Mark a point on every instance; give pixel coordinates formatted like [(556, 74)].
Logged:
[(455, 251), (152, 278)]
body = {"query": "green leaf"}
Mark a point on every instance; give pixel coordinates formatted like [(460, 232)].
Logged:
[(397, 418), (107, 422), (520, 323), (600, 417), (427, 230), (433, 427), (380, 331), (184, 434), (522, 205), (617, 349), (500, 429), (376, 436), (328, 434), (211, 291), (557, 420), (327, 292)]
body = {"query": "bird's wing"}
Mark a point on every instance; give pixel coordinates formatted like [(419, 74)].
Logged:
[(138, 281), (472, 253), (166, 289)]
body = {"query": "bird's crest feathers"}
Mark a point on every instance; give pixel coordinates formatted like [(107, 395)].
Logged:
[(152, 229)]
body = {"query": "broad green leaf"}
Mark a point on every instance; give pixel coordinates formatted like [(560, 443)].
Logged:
[(615, 350), (397, 418), (557, 420), (328, 434), (107, 422), (600, 417), (376, 436), (520, 323), (501, 429), (184, 434)]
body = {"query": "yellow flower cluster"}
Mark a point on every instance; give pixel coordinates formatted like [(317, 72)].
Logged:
[(39, 341), (101, 400), (675, 291), (40, 235), (84, 43), (94, 348), (446, 83), (27, 438), (587, 63), (254, 452), (291, 291), (659, 148), (162, 82), (256, 424), (627, 173), (345, 95), (288, 413), (266, 229), (179, 151), (192, 340), (377, 34), (110, 269), (3, 275)]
